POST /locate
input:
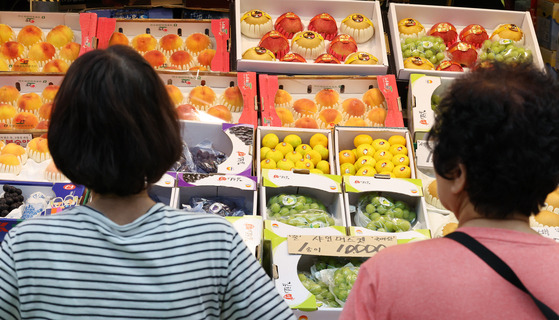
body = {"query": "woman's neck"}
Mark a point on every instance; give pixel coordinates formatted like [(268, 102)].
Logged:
[(122, 210), (518, 222)]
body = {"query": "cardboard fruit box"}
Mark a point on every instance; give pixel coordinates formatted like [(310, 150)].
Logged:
[(61, 196), (424, 95), (216, 30), (339, 10), (234, 142), (250, 228), (338, 100), (324, 189), (460, 18), (298, 254), (281, 133), (82, 25), (344, 138), (240, 191), (164, 190), (408, 191), (228, 89)]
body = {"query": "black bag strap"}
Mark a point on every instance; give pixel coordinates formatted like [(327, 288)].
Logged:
[(500, 267)]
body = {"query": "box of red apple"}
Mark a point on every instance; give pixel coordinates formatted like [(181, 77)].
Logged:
[(310, 37), (446, 41)]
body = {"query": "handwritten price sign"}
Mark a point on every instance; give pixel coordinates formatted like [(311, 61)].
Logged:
[(339, 246)]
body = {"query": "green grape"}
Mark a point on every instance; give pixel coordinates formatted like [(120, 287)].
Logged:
[(406, 215), (409, 40), (407, 53), (402, 225), (412, 216), (491, 56), (483, 56), (284, 211), (389, 225), (275, 207), (398, 213), (370, 208), (298, 206), (401, 204), (381, 209), (374, 216), (314, 205), (434, 60), (273, 200), (344, 278), (499, 57), (440, 56)]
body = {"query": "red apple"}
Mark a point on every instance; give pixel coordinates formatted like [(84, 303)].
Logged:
[(446, 31), (463, 53), (448, 65), (474, 34)]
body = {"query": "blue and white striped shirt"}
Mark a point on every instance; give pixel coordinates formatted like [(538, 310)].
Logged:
[(166, 264)]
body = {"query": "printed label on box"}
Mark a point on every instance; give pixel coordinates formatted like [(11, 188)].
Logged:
[(278, 178), (234, 181), (424, 155), (21, 139), (410, 187)]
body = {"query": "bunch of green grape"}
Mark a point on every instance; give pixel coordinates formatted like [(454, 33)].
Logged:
[(386, 214), (435, 100), (298, 210), (429, 47), (344, 278), (504, 50), (319, 289)]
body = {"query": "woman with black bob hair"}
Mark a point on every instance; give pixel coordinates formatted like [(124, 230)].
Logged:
[(495, 146), (123, 256)]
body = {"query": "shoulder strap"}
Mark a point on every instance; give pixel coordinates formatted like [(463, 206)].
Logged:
[(499, 266)]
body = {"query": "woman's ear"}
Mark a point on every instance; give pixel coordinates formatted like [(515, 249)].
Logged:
[(459, 180)]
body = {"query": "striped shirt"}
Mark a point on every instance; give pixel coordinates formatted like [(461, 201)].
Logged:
[(167, 264)]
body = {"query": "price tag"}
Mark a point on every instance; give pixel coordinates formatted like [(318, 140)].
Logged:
[(338, 246), (424, 155)]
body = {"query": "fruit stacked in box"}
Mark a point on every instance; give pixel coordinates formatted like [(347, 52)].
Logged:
[(375, 205), (318, 34), (216, 148), (169, 45), (224, 195), (326, 103), (310, 282), (301, 200), (26, 101), (215, 98), (39, 43), (23, 200), (370, 151), (456, 39), (329, 279), (29, 161), (286, 149)]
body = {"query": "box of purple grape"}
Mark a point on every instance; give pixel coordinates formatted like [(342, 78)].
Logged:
[(216, 148)]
